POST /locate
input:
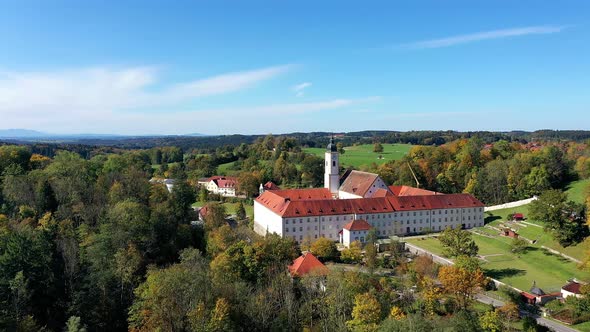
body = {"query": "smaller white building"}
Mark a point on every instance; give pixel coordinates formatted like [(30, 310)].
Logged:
[(571, 289), (356, 230)]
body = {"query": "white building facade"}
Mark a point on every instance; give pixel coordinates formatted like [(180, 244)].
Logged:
[(313, 213)]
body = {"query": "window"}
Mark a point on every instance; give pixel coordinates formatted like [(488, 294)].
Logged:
[(315, 236), (333, 162), (294, 229), (287, 222), (414, 213), (286, 230), (301, 229)]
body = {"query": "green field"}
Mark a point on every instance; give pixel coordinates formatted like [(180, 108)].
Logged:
[(550, 272), (225, 169), (231, 208), (363, 155), (576, 191)]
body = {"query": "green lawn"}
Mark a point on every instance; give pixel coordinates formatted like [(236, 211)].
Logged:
[(550, 272), (584, 327), (225, 169), (231, 208), (363, 155), (576, 190)]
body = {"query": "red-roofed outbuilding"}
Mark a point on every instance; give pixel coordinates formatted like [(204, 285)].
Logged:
[(306, 264)]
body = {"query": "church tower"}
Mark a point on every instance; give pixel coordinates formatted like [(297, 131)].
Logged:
[(331, 176)]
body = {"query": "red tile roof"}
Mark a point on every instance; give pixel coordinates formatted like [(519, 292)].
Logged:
[(288, 203), (358, 183), (304, 194), (382, 193), (270, 186), (307, 263), (518, 216), (573, 287), (357, 225), (410, 191), (224, 181)]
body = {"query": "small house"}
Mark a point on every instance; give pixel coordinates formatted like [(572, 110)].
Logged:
[(573, 288), (356, 230), (510, 233), (518, 217)]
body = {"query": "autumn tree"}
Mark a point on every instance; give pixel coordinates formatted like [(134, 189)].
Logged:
[(457, 242), (352, 254), (324, 248), (366, 313), (460, 283), (491, 321)]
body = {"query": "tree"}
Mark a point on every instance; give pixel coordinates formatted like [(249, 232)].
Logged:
[(340, 148), (509, 314), (74, 325), (397, 313), (519, 246), (248, 183), (241, 211), (461, 283), (564, 219), (366, 313), (457, 242), (168, 296), (378, 148), (324, 248), (371, 250), (215, 216), (352, 254), (183, 196), (490, 321), (220, 321)]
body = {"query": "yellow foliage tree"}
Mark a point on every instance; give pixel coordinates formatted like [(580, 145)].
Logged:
[(366, 313), (397, 313), (352, 254), (431, 294), (461, 283)]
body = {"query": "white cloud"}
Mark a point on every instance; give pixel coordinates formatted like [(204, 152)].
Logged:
[(252, 119), (299, 88), (486, 35), (104, 89)]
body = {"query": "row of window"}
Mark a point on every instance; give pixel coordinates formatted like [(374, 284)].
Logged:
[(387, 232), (378, 216)]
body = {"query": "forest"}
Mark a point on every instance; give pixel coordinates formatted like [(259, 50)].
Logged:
[(87, 243)]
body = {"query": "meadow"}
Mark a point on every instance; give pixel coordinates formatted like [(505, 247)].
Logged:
[(360, 156), (549, 271)]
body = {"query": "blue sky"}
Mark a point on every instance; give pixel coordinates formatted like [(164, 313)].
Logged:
[(221, 67)]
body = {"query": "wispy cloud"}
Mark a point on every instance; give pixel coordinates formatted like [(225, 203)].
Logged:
[(243, 119), (299, 88), (486, 35), (92, 89)]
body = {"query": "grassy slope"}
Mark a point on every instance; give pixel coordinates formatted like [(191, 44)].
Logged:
[(360, 155), (549, 271), (577, 189)]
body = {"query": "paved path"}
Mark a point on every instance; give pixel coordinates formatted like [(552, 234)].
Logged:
[(555, 326)]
